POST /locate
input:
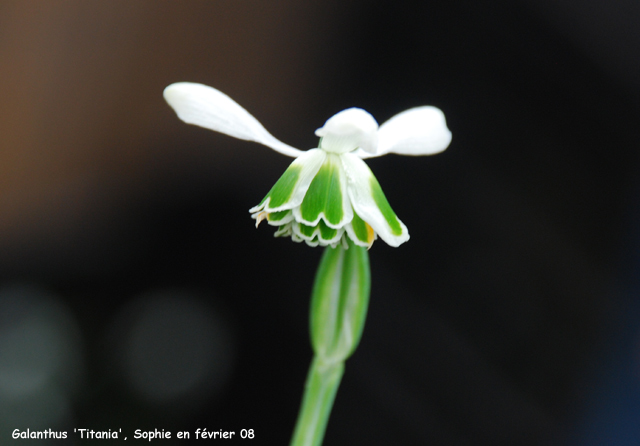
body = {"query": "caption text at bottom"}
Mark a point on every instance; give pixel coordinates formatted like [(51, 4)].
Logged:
[(138, 434)]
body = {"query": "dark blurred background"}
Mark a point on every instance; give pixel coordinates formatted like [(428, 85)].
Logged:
[(135, 292)]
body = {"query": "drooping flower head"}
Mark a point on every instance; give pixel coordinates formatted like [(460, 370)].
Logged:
[(327, 193)]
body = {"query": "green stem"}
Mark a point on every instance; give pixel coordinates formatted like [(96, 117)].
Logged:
[(339, 303), (320, 391)]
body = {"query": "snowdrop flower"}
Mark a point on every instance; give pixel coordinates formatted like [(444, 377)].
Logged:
[(328, 193)]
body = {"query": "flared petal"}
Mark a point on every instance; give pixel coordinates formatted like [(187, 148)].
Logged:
[(290, 189), (209, 108), (348, 130), (369, 202), (417, 131)]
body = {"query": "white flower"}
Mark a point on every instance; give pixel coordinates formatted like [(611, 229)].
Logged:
[(328, 191)]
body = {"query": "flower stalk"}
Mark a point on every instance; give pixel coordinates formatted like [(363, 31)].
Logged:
[(320, 391), (339, 303)]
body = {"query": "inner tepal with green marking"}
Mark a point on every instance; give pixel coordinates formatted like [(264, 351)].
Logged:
[(324, 197)]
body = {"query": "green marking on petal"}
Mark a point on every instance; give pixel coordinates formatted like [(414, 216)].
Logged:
[(360, 228), (282, 191), (385, 207), (324, 194), (326, 233), (277, 216), (284, 231), (307, 230)]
